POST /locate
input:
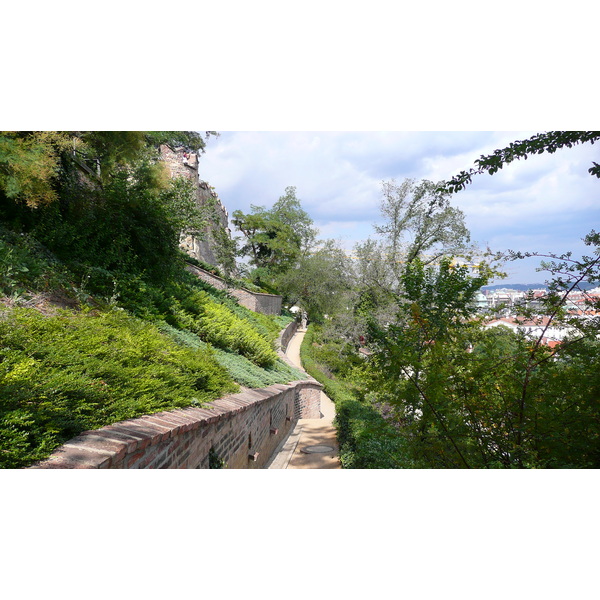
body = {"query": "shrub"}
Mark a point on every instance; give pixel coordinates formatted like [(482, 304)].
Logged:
[(26, 265), (65, 374), (239, 368), (222, 328)]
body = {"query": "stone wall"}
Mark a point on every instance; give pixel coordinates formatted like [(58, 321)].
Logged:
[(204, 249), (243, 430), (267, 304)]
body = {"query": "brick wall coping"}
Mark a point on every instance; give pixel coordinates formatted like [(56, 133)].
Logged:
[(262, 294), (106, 447)]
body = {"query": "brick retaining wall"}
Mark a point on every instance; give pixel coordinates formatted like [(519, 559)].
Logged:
[(242, 429), (267, 304), (285, 336)]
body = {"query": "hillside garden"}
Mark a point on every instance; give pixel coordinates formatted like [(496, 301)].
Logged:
[(99, 320)]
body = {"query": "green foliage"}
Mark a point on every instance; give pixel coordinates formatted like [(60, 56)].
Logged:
[(319, 283), (241, 370), (419, 220), (65, 374), (215, 461), (30, 165), (549, 142), (289, 211), (272, 244), (101, 225), (250, 375), (127, 227), (275, 238), (367, 440), (111, 150), (127, 220), (204, 265), (26, 265), (220, 327), (511, 401), (179, 301), (419, 227), (192, 141)]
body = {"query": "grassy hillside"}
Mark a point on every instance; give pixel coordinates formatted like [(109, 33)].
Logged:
[(73, 359)]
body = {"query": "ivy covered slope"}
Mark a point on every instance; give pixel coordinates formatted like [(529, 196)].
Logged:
[(99, 320)]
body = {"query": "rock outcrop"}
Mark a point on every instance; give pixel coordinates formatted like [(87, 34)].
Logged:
[(205, 248)]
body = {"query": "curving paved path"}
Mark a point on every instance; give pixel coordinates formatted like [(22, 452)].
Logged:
[(308, 432)]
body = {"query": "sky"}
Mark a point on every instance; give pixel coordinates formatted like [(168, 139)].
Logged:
[(547, 203)]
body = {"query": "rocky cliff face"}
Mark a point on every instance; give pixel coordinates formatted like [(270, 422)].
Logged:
[(182, 164)]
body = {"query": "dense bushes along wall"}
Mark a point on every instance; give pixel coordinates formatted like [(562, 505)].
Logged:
[(63, 374), (79, 370), (367, 440)]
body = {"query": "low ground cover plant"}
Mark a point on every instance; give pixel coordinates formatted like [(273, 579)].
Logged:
[(63, 374), (242, 370), (119, 353)]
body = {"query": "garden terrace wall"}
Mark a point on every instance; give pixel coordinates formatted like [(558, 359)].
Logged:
[(284, 338), (267, 304), (243, 430)]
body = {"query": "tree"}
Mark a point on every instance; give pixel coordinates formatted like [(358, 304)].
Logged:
[(30, 164), (468, 397), (319, 283), (192, 141), (288, 210), (419, 225), (512, 401), (419, 219), (538, 144), (271, 244), (126, 220), (275, 238), (415, 354)]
